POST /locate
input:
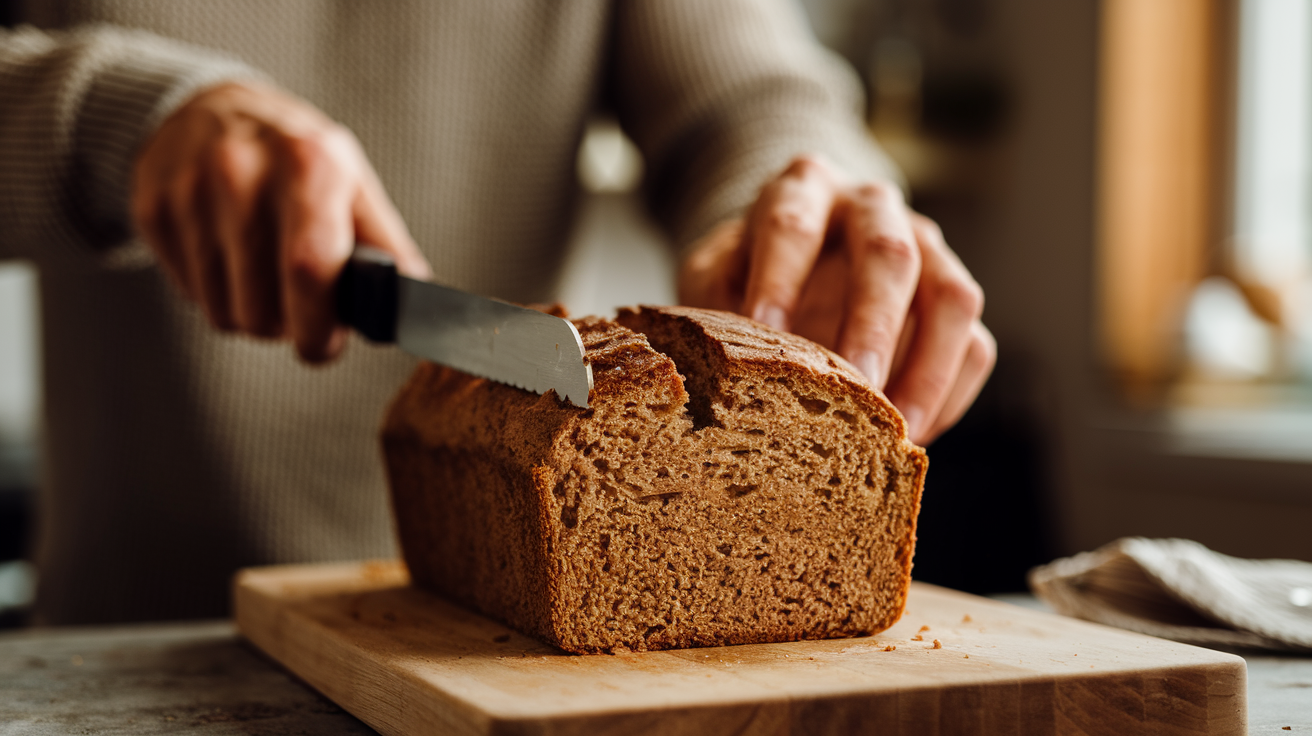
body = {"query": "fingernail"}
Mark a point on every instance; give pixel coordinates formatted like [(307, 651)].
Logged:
[(914, 417), (873, 367), (771, 315)]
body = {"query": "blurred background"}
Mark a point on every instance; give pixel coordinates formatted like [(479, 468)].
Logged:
[(1128, 180)]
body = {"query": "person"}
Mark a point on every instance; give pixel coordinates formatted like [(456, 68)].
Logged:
[(189, 178)]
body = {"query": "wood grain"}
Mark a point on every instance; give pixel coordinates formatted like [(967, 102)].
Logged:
[(407, 662)]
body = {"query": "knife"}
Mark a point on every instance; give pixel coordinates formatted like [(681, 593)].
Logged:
[(485, 337)]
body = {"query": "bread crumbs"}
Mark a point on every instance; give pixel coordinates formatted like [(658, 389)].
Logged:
[(890, 648), (938, 644)]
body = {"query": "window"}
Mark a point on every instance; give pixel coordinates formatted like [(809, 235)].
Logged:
[(1251, 321), (1205, 243)]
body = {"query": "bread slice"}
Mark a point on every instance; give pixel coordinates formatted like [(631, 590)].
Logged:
[(766, 494)]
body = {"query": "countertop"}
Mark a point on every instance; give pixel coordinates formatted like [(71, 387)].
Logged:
[(202, 678)]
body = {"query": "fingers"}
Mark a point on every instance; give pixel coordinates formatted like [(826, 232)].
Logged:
[(885, 267), (785, 232), (975, 369), (154, 221), (238, 172), (947, 305), (819, 314), (853, 268), (252, 200), (316, 233), (713, 275), (191, 247)]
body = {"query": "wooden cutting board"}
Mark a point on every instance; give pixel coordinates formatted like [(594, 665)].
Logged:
[(407, 662)]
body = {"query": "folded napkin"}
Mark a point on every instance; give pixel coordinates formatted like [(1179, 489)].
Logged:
[(1179, 589)]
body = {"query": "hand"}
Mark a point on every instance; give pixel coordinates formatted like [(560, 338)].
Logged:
[(252, 199), (853, 268)]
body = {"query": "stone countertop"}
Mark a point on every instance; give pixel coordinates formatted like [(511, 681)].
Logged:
[(184, 678), (201, 678), (1279, 694)]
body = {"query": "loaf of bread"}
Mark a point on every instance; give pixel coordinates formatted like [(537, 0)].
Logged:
[(729, 484)]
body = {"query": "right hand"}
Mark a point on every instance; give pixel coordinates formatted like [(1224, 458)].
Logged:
[(252, 200), (849, 265)]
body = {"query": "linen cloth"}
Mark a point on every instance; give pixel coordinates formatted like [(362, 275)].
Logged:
[(1178, 589)]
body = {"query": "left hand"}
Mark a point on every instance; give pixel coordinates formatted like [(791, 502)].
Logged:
[(851, 267)]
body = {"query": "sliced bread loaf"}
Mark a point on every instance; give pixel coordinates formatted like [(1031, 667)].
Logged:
[(766, 494)]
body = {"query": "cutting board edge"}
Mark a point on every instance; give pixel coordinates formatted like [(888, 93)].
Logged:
[(256, 599), (251, 603)]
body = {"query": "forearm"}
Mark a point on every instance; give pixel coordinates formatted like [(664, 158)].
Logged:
[(75, 108)]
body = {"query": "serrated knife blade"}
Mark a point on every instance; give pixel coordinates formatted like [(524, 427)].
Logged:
[(485, 337)]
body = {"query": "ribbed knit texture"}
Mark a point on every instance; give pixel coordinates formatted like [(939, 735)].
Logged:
[(175, 454)]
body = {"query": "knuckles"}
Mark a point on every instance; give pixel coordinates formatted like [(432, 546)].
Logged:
[(933, 383), (807, 166), (953, 287), (875, 191), (323, 149), (306, 153), (894, 252), (306, 273), (232, 164), (961, 294), (927, 228), (794, 224), (878, 331)]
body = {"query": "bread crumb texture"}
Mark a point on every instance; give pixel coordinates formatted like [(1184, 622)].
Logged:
[(730, 484)]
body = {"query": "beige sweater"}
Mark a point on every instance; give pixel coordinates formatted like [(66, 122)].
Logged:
[(175, 455)]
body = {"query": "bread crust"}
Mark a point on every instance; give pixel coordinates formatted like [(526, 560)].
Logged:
[(729, 484)]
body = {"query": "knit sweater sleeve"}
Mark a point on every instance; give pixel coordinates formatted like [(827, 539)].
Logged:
[(720, 95), (75, 107)]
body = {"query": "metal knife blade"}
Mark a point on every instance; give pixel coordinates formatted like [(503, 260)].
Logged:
[(485, 337)]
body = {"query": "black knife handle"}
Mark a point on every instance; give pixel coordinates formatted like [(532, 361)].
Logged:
[(368, 294)]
